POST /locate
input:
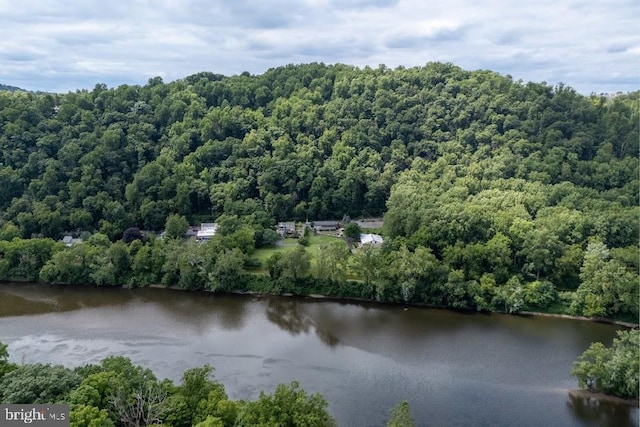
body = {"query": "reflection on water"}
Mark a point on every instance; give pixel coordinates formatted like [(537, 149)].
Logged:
[(455, 369), (592, 412), (287, 315)]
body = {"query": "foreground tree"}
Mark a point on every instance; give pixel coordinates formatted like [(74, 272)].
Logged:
[(401, 416), (614, 370), (38, 383), (89, 416), (176, 226), (5, 365), (288, 406), (143, 407)]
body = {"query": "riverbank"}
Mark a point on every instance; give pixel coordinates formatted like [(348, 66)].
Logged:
[(590, 319), (597, 398), (416, 305), (335, 298)]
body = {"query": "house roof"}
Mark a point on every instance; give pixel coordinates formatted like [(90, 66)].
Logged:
[(368, 239), (326, 223), (207, 230)]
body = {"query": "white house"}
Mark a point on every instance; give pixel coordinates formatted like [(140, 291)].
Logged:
[(371, 239), (207, 231), (70, 241)]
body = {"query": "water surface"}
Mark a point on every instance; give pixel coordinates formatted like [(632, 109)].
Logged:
[(455, 369)]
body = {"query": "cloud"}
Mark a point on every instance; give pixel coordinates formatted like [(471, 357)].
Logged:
[(618, 48), (362, 4), (507, 38), (60, 46), (419, 41)]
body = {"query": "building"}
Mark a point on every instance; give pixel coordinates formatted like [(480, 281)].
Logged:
[(326, 225), (207, 231), (69, 240), (369, 223), (374, 240)]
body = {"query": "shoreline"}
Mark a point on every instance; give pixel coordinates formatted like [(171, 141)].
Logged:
[(572, 317), (363, 300), (417, 305), (597, 398)]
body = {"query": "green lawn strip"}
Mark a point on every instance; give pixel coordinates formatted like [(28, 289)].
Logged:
[(263, 254)]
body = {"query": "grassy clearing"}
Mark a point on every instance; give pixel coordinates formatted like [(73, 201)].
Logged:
[(286, 245)]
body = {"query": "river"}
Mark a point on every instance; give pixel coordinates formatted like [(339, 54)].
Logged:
[(455, 369)]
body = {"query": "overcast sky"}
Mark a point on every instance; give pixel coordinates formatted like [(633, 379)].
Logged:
[(62, 45)]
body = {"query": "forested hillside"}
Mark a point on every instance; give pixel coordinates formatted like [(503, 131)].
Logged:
[(495, 192), (9, 88)]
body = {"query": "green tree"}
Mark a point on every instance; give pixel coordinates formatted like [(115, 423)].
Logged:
[(5, 365), (400, 416), (332, 262), (9, 231), (210, 422), (38, 383), (368, 263), (539, 294), (614, 370), (71, 265), (275, 265), (98, 388), (226, 270), (295, 264), (176, 226), (608, 287), (176, 413), (196, 385), (289, 405), (305, 239), (147, 264), (352, 231), (89, 416), (131, 234), (25, 258), (217, 405)]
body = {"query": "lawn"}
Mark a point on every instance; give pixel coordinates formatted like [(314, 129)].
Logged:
[(263, 254)]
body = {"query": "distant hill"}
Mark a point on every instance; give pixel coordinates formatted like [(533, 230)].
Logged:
[(10, 88)]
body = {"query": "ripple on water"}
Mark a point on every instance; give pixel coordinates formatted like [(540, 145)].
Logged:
[(453, 369)]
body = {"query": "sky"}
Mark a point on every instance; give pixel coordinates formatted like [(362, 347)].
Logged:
[(592, 46)]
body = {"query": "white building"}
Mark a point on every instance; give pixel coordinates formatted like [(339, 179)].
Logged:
[(207, 231), (371, 239), (70, 241)]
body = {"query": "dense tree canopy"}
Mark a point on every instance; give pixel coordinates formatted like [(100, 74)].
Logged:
[(301, 141)]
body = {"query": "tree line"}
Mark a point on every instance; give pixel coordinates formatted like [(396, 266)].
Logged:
[(401, 274)]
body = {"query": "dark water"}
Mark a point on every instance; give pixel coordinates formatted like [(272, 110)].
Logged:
[(454, 369)]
